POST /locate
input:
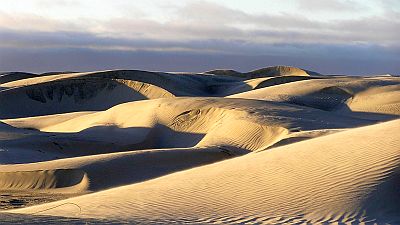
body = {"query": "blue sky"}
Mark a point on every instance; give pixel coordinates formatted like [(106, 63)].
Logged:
[(329, 36)]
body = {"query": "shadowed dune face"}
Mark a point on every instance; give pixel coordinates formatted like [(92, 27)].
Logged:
[(279, 71), (240, 125), (13, 76), (356, 183), (273, 71), (383, 100), (71, 95), (224, 72), (101, 90), (6, 77), (117, 167), (327, 99), (281, 80), (168, 123), (59, 179), (335, 94), (60, 93), (277, 145)]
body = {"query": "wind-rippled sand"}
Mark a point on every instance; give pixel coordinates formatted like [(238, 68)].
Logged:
[(279, 145)]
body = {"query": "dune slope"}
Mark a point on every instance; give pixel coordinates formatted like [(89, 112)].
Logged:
[(98, 172), (276, 145), (241, 125), (342, 95), (326, 179)]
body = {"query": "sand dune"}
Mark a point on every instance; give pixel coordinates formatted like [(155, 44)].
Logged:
[(74, 95), (97, 172), (294, 183), (334, 94), (101, 90), (385, 100), (277, 145), (6, 77), (93, 91), (59, 179), (13, 76), (272, 71), (280, 71), (239, 124)]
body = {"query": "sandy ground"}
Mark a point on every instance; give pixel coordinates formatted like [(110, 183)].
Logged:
[(278, 145)]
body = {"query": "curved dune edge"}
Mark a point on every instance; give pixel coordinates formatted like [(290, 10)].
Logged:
[(279, 71), (200, 123), (272, 71), (341, 94), (98, 172), (281, 80), (6, 77), (60, 180), (177, 84), (93, 91), (317, 181), (278, 145), (71, 95), (240, 124), (385, 100), (100, 90)]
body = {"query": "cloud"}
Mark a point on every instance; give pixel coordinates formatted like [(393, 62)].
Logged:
[(34, 22), (200, 28), (329, 61), (329, 6), (57, 4), (204, 20), (237, 45), (193, 56)]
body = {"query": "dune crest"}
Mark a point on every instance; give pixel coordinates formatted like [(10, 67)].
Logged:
[(62, 180), (356, 183), (276, 145), (280, 71), (272, 71)]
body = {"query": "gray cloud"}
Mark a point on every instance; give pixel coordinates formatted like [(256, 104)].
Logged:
[(204, 20), (351, 59), (204, 29), (31, 39)]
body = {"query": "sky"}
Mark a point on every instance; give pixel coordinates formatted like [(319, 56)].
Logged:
[(358, 37)]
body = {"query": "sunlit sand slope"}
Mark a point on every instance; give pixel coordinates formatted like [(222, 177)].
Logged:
[(341, 94), (34, 95), (241, 125), (351, 176), (97, 172), (276, 145)]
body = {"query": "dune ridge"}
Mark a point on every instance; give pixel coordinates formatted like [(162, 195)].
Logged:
[(91, 172), (63, 180), (343, 190), (276, 145), (240, 125), (271, 71)]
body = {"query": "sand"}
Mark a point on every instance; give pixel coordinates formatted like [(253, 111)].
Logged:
[(277, 145)]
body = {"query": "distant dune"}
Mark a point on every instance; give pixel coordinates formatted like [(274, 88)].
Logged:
[(13, 76), (277, 145), (272, 71)]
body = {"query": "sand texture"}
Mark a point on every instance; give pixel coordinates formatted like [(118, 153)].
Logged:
[(276, 145)]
